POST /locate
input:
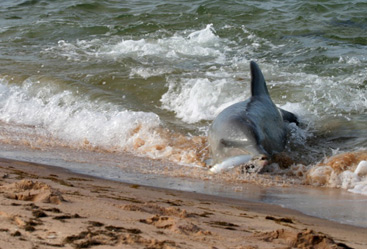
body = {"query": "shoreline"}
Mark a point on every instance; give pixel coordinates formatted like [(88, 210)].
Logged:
[(48, 206)]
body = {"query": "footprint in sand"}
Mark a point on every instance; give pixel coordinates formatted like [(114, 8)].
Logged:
[(173, 224), (304, 239), (99, 234), (27, 190)]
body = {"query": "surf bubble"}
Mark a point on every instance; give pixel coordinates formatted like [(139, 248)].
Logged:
[(295, 108), (206, 35), (80, 50), (346, 170), (202, 43), (198, 99), (349, 60), (361, 169), (146, 73)]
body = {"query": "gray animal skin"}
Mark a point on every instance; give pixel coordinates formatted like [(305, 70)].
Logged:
[(248, 132)]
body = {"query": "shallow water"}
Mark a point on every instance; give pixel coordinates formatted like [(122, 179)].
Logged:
[(148, 77)]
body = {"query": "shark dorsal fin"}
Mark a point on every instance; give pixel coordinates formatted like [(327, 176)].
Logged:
[(258, 85)]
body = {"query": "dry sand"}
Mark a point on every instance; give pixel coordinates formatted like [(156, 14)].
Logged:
[(48, 207)]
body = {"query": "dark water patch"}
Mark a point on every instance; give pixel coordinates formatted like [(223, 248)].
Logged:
[(87, 6), (13, 18), (31, 2)]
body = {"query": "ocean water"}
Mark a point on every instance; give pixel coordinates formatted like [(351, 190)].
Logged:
[(110, 78)]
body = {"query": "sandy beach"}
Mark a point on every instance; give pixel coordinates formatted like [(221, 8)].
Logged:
[(49, 207)]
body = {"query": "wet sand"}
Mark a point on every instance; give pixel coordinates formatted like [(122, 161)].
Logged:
[(49, 207)]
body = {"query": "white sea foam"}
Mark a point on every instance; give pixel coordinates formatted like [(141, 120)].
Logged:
[(198, 43), (194, 100), (360, 185), (352, 180), (349, 60), (146, 72), (361, 169), (295, 108), (74, 119), (180, 46)]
